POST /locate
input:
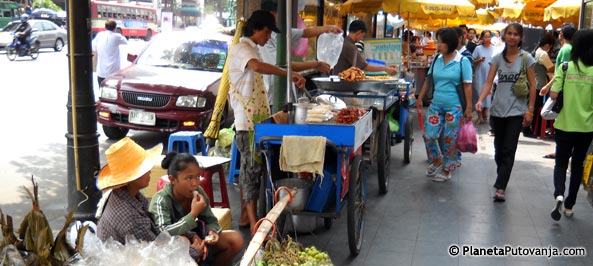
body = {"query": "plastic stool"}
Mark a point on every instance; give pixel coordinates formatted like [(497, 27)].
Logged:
[(235, 166), (189, 139), (212, 166), (541, 125)]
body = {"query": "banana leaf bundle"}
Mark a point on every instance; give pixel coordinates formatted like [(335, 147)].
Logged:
[(35, 230), (8, 236), (61, 250)]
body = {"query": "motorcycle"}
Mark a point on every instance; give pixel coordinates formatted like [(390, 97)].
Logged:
[(19, 49)]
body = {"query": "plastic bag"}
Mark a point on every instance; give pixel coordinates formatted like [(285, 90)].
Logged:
[(467, 141), (329, 48), (225, 137), (547, 112), (303, 47)]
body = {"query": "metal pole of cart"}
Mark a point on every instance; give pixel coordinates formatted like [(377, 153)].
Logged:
[(290, 97)]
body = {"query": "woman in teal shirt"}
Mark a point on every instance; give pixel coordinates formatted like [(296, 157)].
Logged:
[(574, 125), (445, 112)]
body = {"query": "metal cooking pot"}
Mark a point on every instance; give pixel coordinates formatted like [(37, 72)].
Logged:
[(300, 113)]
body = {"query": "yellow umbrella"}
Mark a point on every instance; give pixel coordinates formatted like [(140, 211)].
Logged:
[(530, 12), (563, 9), (484, 3), (223, 89), (437, 8), (367, 6)]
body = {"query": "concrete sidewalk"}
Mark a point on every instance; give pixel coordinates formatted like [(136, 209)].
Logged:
[(418, 219), (414, 223)]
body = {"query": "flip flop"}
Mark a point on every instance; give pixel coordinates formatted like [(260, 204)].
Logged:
[(550, 156)]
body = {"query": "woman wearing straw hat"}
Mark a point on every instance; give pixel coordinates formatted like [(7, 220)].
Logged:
[(176, 209), (126, 210)]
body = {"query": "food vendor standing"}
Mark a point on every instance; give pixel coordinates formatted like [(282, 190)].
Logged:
[(350, 57), (249, 101)]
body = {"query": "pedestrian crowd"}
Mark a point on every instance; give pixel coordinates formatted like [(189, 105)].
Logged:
[(509, 86)]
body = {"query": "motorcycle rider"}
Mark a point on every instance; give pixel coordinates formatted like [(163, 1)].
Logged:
[(24, 31)]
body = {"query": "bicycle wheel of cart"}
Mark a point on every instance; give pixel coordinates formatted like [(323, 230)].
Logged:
[(408, 139), (356, 205), (384, 156)]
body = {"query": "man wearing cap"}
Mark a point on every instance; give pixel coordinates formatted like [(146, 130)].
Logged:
[(351, 57), (126, 211), (249, 100)]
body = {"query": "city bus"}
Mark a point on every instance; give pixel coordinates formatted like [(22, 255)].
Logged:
[(132, 20), (9, 11)]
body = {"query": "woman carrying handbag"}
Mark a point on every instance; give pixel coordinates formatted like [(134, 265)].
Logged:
[(512, 107), (443, 117)]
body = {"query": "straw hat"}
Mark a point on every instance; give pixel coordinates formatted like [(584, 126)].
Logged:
[(126, 162)]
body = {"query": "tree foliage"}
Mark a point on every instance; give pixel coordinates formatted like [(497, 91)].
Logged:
[(46, 4)]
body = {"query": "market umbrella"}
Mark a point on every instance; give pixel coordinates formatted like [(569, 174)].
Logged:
[(484, 3), (441, 9), (563, 9), (223, 90), (368, 6), (530, 12)]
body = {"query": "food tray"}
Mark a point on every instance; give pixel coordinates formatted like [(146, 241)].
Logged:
[(337, 84), (342, 135)]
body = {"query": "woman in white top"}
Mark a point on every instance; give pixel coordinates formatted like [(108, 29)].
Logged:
[(482, 56)]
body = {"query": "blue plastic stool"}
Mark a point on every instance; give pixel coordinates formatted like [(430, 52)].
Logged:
[(235, 166), (186, 141)]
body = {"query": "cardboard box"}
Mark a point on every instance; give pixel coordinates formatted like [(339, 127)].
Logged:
[(156, 173), (224, 217)]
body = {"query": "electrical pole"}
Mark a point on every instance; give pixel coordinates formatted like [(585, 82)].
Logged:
[(82, 137)]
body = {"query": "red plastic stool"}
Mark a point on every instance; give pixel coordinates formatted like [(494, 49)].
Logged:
[(212, 166), (541, 125)]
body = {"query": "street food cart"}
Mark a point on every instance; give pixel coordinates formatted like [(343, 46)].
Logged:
[(368, 137)]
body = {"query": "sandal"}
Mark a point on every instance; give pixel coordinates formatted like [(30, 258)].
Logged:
[(433, 169), (499, 196), (440, 177), (550, 156)]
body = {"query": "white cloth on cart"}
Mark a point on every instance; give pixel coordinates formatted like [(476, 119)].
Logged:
[(302, 154)]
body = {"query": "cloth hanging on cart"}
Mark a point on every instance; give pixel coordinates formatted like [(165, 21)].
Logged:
[(302, 154)]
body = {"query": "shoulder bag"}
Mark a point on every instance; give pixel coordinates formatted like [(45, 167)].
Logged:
[(521, 87), (552, 108), (430, 81), (460, 89)]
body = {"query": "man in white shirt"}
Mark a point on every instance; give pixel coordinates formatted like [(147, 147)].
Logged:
[(106, 47)]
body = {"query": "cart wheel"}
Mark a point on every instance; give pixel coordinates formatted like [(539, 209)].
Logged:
[(328, 222), (383, 156), (408, 139), (356, 206)]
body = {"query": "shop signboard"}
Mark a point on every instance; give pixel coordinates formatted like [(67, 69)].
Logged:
[(388, 50)]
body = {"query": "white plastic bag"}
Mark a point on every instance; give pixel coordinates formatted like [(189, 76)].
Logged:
[(329, 48), (547, 112)]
